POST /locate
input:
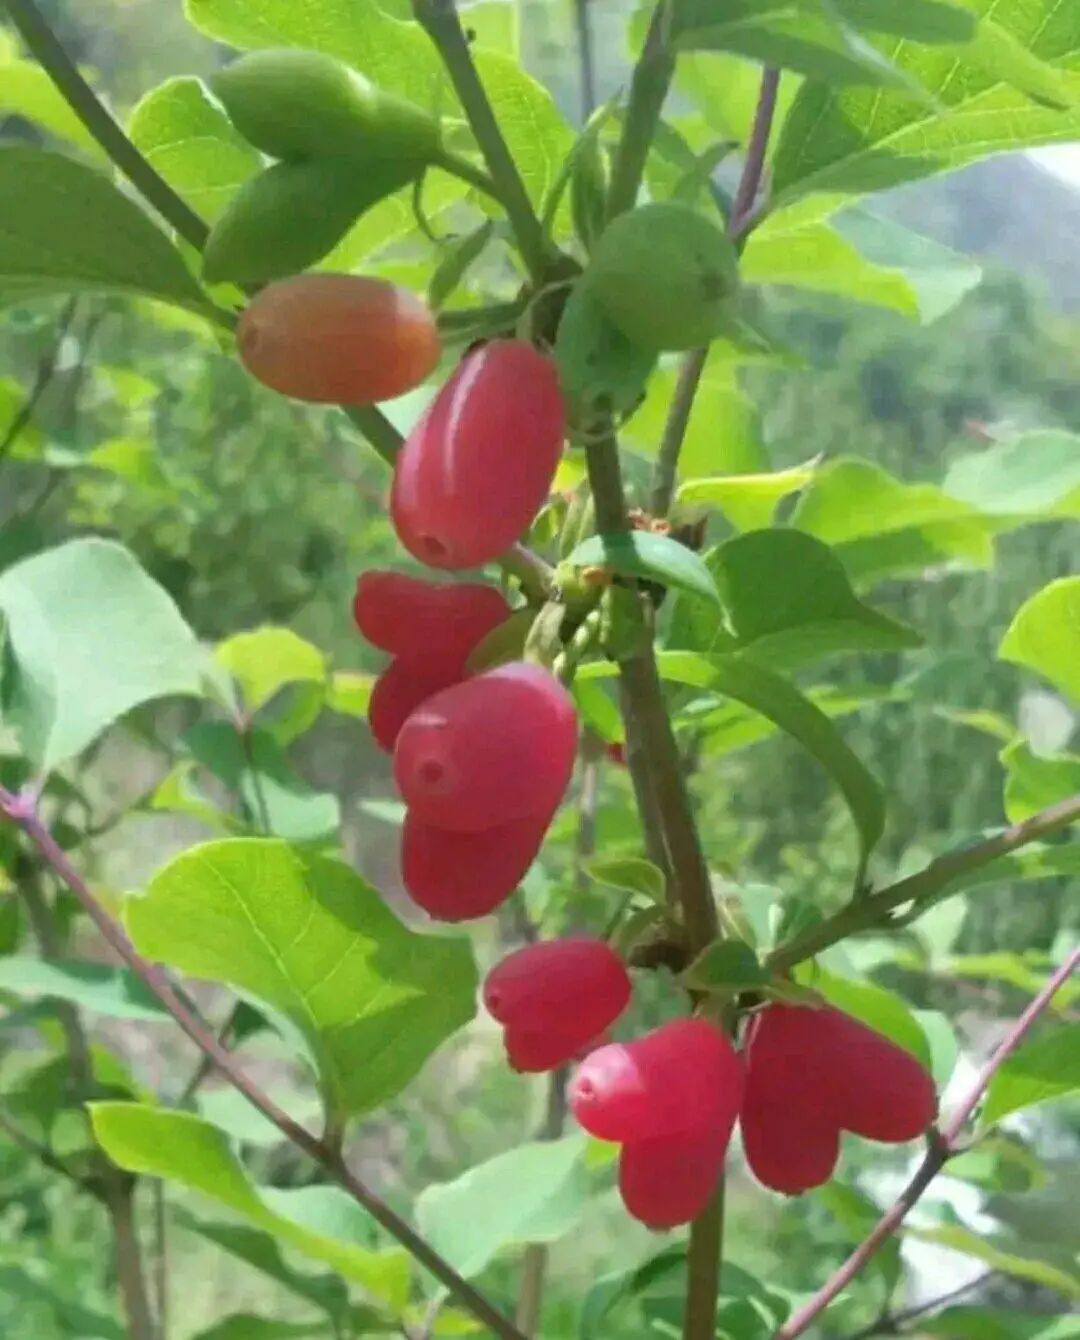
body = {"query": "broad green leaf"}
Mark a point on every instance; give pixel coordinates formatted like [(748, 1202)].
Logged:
[(256, 768), (311, 938), (748, 501), (631, 874), (731, 726), (263, 661), (534, 1193), (91, 636), (657, 558), (1021, 1267), (261, 1251), (787, 597), (249, 1326), (1033, 783), (879, 1009), (1035, 474), (114, 992), (774, 697), (942, 1041), (27, 91), (397, 55), (75, 232), (193, 144), (1039, 1071), (997, 1323), (349, 693), (850, 141), (183, 1148), (725, 965), (1045, 636)]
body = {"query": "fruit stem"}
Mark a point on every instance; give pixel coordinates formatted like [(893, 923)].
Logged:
[(43, 45), (439, 19), (703, 1269), (468, 171), (649, 85)]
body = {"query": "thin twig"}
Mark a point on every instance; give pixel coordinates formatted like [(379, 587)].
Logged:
[(649, 85), (742, 208), (924, 886), (23, 811), (889, 1323), (161, 1258), (439, 19), (118, 1197), (92, 112), (46, 369), (943, 1145), (586, 65)]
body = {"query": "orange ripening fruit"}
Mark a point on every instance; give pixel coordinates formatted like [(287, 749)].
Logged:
[(338, 339)]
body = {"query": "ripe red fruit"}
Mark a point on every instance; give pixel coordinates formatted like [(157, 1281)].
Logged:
[(812, 1073), (427, 621), (402, 687), (478, 466), (458, 876), (497, 747), (335, 338), (555, 997), (682, 1077), (670, 1180)]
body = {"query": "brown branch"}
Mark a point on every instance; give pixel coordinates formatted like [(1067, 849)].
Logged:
[(118, 1197), (22, 810), (943, 1145)]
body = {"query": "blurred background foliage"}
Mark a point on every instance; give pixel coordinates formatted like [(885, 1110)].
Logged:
[(252, 511)]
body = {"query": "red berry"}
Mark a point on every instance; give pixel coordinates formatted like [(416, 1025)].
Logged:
[(426, 620), (402, 687), (670, 1180), (458, 876), (495, 748), (478, 466), (787, 1148), (338, 338), (684, 1076), (554, 998)]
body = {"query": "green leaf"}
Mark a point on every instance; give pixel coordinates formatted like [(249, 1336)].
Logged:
[(657, 558), (27, 91), (879, 1009), (228, 1110), (190, 141), (748, 501), (349, 693), (1033, 783), (599, 368), (630, 874), (261, 1251), (725, 965), (1027, 972), (1033, 475), (263, 661), (1031, 1269), (114, 992), (183, 1148), (457, 256), (788, 598), (851, 499), (1045, 636), (774, 697), (91, 636), (248, 1326), (308, 936), (534, 1193), (855, 140), (1038, 1072), (75, 232), (18, 1285)]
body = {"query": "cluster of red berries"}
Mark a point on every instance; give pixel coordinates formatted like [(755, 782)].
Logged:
[(671, 1098), (481, 761)]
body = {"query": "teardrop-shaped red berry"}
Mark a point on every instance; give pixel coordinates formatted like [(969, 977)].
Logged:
[(402, 687), (478, 466), (670, 1180), (497, 747), (422, 620)]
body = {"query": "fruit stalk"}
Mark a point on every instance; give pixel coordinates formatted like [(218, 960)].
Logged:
[(942, 1148)]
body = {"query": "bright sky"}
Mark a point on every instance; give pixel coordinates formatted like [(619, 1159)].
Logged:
[(1063, 160)]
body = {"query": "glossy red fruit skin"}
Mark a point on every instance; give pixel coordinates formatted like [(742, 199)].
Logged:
[(459, 876), (338, 339), (670, 1180), (426, 621), (684, 1076), (787, 1149), (554, 998), (402, 687), (495, 748), (478, 466)]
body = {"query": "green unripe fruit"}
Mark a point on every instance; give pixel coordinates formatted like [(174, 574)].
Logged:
[(291, 215), (665, 276), (296, 104)]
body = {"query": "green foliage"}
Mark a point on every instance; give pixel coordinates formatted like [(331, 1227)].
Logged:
[(1036, 1073), (1045, 636)]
